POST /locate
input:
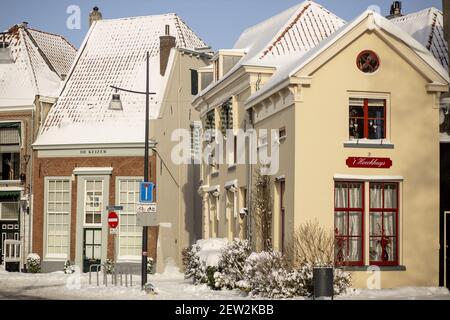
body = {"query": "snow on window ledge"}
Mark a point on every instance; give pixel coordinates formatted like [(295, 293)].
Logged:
[(368, 143), (365, 268)]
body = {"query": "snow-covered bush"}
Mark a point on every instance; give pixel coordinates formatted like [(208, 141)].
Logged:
[(69, 268), (194, 268), (266, 275), (109, 266), (33, 263), (231, 264), (201, 260), (150, 264)]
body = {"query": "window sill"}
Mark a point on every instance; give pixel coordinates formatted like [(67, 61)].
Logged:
[(365, 268), (10, 181), (366, 143)]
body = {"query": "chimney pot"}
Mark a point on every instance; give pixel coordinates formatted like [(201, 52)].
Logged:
[(396, 10), (95, 15), (25, 24), (167, 30)]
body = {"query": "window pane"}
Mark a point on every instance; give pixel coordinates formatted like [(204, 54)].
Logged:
[(375, 249), (354, 223), (354, 250), (376, 224), (389, 223), (376, 129), (341, 196), (376, 195), (340, 223), (355, 193), (376, 112), (356, 111), (390, 195), (391, 250), (356, 127)]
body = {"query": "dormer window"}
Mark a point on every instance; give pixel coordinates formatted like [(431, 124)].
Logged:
[(205, 76), (224, 60)]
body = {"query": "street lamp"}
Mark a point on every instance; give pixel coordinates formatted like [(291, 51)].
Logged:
[(116, 105)]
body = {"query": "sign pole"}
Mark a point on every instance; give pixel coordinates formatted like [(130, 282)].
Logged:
[(145, 228)]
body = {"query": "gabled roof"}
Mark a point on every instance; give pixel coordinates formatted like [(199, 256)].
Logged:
[(377, 21), (40, 59), (59, 52), (276, 40), (427, 27), (113, 53)]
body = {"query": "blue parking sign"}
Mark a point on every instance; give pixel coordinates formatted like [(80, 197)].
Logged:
[(146, 192)]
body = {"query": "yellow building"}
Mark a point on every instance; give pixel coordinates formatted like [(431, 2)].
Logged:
[(357, 117), (360, 114)]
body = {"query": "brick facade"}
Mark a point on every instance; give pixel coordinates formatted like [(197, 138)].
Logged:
[(47, 167)]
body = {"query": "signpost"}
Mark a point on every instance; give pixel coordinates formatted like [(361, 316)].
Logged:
[(146, 194), (113, 220), (146, 215)]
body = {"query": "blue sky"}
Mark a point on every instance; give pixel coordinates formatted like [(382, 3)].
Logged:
[(218, 22)]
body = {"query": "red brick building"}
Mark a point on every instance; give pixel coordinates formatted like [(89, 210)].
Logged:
[(88, 156), (33, 64)]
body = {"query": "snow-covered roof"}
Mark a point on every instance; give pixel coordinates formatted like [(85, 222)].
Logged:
[(114, 53), (427, 27), (39, 61), (292, 32), (289, 69)]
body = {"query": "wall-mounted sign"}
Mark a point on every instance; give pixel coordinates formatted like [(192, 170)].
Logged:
[(366, 162)]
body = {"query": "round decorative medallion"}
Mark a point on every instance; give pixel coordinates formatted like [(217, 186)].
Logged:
[(368, 61)]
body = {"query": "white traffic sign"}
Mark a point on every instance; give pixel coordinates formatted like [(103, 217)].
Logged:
[(146, 208)]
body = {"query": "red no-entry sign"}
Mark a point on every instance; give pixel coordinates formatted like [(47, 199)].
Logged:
[(113, 220)]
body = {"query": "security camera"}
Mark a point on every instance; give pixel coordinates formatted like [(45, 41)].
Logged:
[(243, 213)]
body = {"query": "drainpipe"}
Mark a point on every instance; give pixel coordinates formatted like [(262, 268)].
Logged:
[(249, 182)]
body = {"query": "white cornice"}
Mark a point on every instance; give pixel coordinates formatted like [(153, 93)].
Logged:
[(93, 170)]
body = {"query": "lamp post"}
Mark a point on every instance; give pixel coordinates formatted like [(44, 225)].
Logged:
[(116, 104)]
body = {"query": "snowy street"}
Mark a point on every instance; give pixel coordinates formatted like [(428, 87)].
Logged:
[(170, 286)]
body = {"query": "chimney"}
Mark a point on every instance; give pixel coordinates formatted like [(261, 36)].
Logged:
[(396, 10), (166, 43), (446, 10), (95, 15), (24, 24)]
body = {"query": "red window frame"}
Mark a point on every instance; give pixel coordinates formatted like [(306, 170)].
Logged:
[(366, 118), (347, 210), (383, 211)]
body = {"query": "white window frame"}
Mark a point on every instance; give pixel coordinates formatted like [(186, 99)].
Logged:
[(100, 209), (120, 257), (59, 256)]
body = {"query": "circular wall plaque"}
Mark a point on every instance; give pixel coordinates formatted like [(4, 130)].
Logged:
[(368, 61)]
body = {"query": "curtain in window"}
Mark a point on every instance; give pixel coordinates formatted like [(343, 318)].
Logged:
[(348, 221), (383, 219)]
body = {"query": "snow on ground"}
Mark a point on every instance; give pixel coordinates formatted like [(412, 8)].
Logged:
[(169, 285)]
